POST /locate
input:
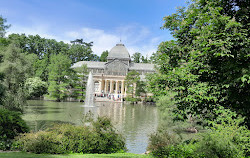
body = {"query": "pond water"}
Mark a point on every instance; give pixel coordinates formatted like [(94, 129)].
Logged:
[(135, 122)]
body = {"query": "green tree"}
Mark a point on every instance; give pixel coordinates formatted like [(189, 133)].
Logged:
[(136, 57), (79, 82), (3, 26), (3, 43), (144, 59), (131, 80), (41, 49), (104, 56), (59, 70), (15, 68), (35, 87), (208, 64), (140, 88), (153, 58), (81, 51)]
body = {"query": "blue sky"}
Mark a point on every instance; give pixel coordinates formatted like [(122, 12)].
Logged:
[(136, 22)]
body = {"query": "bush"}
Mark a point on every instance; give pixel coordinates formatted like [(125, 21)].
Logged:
[(11, 124), (97, 137), (132, 100), (226, 138), (40, 142), (162, 142), (218, 145), (35, 87)]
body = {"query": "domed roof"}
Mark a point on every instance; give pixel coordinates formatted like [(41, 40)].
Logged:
[(119, 51)]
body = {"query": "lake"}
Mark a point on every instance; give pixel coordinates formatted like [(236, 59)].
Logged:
[(135, 122)]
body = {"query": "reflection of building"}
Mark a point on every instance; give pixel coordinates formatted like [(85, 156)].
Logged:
[(109, 76)]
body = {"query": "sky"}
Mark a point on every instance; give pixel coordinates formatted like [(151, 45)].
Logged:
[(105, 22)]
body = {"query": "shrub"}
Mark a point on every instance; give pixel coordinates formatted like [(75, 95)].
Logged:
[(35, 87), (162, 142), (227, 138), (218, 145), (40, 142), (11, 124), (132, 100), (97, 137)]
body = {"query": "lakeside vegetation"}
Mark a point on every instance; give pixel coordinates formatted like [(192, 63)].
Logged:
[(201, 85), (203, 82), (31, 155)]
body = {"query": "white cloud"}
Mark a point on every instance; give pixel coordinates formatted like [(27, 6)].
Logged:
[(41, 30), (136, 38), (102, 41)]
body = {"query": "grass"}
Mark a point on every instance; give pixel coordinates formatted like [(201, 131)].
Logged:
[(31, 155)]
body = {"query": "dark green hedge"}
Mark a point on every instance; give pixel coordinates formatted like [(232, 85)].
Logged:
[(11, 124)]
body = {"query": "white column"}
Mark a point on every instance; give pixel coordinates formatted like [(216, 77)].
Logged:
[(100, 86), (116, 87), (122, 88), (111, 86), (125, 90), (105, 86), (134, 87)]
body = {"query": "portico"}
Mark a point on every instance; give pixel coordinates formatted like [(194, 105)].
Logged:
[(110, 85)]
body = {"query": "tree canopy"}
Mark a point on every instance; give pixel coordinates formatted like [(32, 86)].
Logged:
[(208, 64), (104, 56)]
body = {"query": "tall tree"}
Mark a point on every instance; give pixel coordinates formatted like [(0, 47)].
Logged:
[(144, 59), (15, 68), (131, 80), (104, 56), (3, 26), (136, 57), (81, 51), (79, 79), (59, 70), (3, 44), (208, 65)]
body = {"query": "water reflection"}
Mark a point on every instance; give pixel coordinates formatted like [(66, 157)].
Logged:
[(135, 122)]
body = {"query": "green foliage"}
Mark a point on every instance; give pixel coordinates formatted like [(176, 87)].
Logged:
[(132, 100), (11, 125), (59, 69), (144, 59), (31, 155), (139, 58), (94, 137), (206, 68), (161, 143), (43, 49), (131, 80), (35, 87), (79, 82), (3, 26), (208, 64), (140, 88), (16, 68), (136, 57), (104, 56), (82, 52), (2, 89), (227, 138), (230, 127)]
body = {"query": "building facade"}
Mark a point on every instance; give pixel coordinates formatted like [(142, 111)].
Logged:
[(109, 77)]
